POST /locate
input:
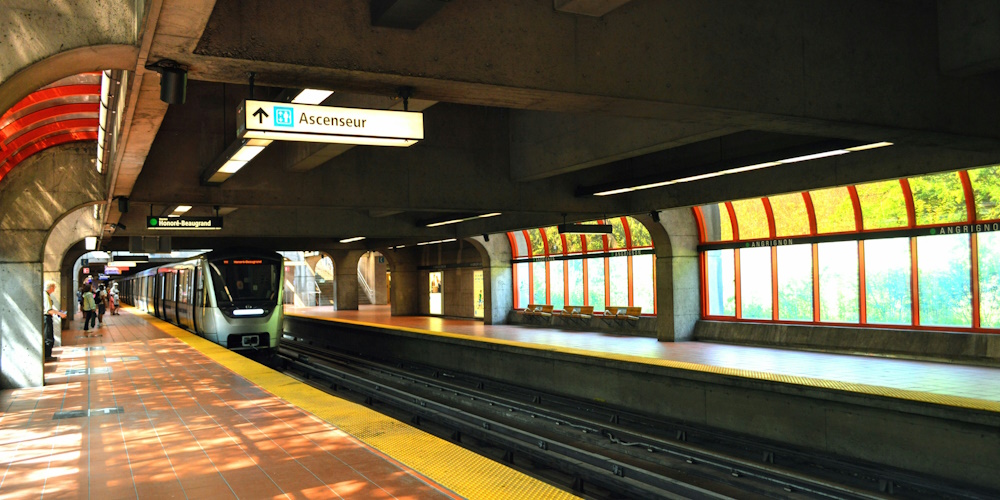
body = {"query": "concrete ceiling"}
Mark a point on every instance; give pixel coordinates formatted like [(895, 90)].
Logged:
[(530, 105)]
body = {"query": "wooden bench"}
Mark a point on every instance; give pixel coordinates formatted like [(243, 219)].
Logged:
[(538, 310), (629, 314), (624, 315), (578, 313), (531, 309)]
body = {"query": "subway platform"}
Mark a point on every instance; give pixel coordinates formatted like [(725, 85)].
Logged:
[(935, 418), (142, 409)]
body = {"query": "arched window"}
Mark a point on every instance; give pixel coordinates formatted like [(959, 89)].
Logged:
[(921, 252), (586, 269)]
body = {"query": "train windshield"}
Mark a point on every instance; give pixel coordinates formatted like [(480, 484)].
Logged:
[(243, 280)]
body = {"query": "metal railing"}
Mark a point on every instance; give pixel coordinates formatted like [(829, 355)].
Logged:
[(363, 283)]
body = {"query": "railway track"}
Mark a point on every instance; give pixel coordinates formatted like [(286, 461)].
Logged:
[(597, 451)]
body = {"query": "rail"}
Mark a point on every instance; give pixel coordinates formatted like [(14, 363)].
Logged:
[(365, 287)]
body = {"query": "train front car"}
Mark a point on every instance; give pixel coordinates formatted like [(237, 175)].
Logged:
[(245, 299)]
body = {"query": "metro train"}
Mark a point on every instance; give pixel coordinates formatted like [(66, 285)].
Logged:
[(230, 297)]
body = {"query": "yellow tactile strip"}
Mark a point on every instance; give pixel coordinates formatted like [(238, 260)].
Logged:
[(873, 390), (459, 470)]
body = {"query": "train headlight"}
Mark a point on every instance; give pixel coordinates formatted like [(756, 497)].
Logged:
[(248, 312)]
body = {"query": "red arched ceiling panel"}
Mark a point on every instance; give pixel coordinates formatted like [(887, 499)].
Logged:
[(54, 140), (62, 112), (48, 115)]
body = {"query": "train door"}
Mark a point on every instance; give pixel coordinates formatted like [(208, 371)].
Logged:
[(198, 300), (157, 281)]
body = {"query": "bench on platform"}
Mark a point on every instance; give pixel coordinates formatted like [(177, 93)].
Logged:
[(621, 315), (538, 311), (578, 314)]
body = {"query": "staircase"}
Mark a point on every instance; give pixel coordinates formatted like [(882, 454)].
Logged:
[(366, 295), (324, 283)]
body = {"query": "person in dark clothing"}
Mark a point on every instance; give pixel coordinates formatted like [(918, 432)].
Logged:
[(89, 309)]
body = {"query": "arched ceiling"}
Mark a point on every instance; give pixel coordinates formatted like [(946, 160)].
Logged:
[(65, 111)]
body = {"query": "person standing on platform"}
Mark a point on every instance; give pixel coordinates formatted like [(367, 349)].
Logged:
[(89, 308), (51, 309), (114, 300), (102, 304)]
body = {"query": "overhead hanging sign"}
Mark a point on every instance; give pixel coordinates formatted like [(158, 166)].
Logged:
[(281, 121), (183, 223)]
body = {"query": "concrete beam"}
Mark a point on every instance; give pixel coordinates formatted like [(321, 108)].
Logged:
[(720, 62), (593, 8), (544, 144), (404, 14), (969, 31)]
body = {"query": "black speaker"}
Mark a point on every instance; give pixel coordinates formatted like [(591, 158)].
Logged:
[(173, 85), (123, 205)]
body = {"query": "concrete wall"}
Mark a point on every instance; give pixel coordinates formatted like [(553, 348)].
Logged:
[(457, 263), (21, 325)]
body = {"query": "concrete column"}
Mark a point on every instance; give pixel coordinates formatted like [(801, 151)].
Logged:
[(406, 283), (21, 325), (378, 279), (345, 264), (678, 290), (498, 278)]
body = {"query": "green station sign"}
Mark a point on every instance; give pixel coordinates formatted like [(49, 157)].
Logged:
[(183, 223)]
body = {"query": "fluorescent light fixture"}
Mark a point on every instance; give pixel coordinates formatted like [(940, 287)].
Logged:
[(435, 242), (462, 219), (235, 157), (816, 156), (330, 139), (350, 240), (756, 166), (870, 146), (120, 263), (90, 242), (312, 96), (180, 210)]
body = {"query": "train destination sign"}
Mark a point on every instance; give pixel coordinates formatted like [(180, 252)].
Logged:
[(282, 121), (183, 223)]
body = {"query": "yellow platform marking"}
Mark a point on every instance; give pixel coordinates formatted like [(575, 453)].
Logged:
[(872, 390), (453, 467)]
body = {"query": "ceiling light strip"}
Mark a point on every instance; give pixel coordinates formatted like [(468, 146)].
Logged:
[(463, 219), (757, 166)]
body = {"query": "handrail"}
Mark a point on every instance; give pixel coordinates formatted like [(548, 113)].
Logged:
[(367, 289)]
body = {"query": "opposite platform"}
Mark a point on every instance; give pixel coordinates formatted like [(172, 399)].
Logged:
[(938, 383), (137, 413), (936, 419)]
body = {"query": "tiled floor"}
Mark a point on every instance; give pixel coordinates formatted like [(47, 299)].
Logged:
[(948, 379), (166, 422)]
